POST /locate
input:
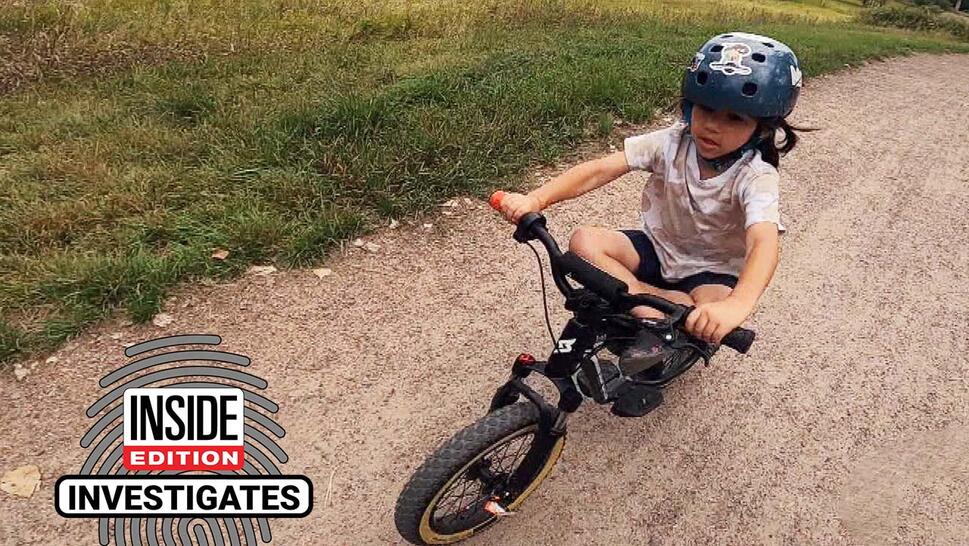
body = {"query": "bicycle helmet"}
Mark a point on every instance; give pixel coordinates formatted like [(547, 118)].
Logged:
[(745, 73)]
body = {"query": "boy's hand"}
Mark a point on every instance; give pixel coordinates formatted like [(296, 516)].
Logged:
[(516, 205), (712, 321)]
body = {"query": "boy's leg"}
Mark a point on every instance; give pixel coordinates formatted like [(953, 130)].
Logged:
[(709, 293), (613, 252)]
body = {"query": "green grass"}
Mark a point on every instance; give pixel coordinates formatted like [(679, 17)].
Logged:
[(117, 183), (929, 18)]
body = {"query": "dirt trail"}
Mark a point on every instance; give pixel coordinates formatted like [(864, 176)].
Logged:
[(848, 423)]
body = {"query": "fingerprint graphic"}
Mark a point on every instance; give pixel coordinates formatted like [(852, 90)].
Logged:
[(165, 370)]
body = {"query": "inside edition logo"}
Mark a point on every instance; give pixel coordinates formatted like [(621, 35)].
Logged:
[(183, 450), (183, 429)]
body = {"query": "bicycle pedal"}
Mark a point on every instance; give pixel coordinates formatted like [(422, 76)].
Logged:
[(637, 401)]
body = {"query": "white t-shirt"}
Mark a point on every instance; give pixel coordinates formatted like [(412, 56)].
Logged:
[(699, 225)]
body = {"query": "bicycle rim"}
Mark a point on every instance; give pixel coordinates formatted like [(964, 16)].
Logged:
[(457, 510)]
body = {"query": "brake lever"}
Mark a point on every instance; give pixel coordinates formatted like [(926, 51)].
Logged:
[(679, 323), (704, 348)]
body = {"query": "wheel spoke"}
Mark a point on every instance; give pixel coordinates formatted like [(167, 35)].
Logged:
[(500, 456), (514, 460), (454, 493), (449, 494), (464, 491), (456, 500), (446, 504), (520, 454)]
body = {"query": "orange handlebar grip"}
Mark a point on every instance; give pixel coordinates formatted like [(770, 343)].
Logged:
[(495, 199)]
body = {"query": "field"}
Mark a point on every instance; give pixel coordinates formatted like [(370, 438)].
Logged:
[(138, 138)]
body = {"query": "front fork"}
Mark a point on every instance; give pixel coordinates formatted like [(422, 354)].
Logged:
[(571, 354), (551, 426), (575, 342), (551, 419)]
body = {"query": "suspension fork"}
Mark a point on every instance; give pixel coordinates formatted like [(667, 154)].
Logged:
[(551, 424), (575, 343), (552, 419)]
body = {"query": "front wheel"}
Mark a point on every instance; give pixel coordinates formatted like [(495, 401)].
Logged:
[(501, 459)]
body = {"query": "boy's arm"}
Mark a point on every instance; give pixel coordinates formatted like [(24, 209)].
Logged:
[(581, 178), (763, 244), (712, 321)]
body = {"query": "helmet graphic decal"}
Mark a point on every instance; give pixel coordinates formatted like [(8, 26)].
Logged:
[(731, 59), (697, 59), (795, 76)]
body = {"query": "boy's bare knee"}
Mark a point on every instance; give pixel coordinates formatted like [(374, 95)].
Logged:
[(585, 241), (676, 296), (709, 293)]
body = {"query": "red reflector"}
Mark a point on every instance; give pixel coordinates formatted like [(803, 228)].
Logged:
[(525, 359)]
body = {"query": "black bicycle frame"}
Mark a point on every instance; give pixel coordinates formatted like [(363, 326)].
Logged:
[(599, 315), (593, 321)]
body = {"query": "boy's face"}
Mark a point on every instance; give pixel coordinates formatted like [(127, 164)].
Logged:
[(719, 132)]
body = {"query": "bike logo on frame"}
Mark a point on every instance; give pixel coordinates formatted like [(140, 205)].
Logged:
[(565, 346)]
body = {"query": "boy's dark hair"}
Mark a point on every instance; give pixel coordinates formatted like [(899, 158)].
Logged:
[(768, 128)]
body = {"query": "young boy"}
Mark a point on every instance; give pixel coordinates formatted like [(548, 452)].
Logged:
[(710, 220)]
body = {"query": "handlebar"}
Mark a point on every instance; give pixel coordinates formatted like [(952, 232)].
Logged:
[(531, 226)]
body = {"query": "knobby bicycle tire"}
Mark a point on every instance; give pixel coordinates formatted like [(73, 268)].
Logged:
[(420, 497)]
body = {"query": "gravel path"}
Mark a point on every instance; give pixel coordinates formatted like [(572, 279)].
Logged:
[(848, 423)]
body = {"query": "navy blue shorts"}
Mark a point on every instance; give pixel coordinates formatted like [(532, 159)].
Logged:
[(649, 268)]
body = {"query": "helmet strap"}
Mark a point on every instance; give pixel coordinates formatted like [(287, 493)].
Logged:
[(724, 162)]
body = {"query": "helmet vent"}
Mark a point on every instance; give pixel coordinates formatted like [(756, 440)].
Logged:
[(727, 36), (701, 77), (749, 89), (716, 48), (768, 44), (759, 57)]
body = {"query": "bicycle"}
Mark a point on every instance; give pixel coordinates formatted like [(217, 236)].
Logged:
[(487, 470)]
